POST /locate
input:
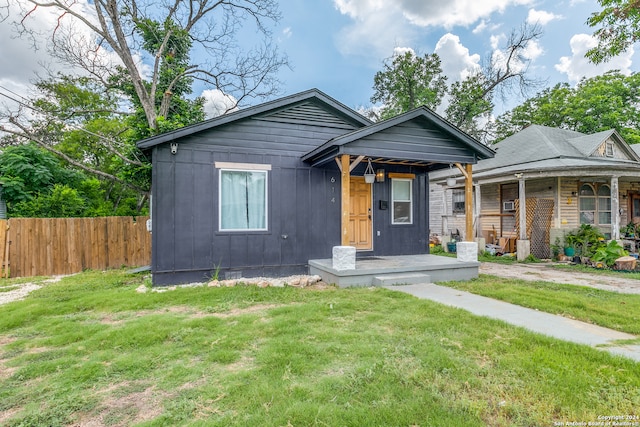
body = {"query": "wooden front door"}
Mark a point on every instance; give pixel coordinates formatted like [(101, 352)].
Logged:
[(360, 221)]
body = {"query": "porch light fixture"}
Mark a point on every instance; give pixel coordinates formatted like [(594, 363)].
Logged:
[(369, 173), (451, 181), (380, 175)]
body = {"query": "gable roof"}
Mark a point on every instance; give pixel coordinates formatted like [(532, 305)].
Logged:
[(342, 116), (435, 141), (538, 147)]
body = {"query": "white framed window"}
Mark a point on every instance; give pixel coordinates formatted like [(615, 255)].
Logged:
[(457, 201), (401, 201), (595, 204), (243, 198)]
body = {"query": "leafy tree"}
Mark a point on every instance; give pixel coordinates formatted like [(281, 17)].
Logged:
[(37, 184), (619, 23), (93, 122), (166, 30), (408, 81), (609, 101), (470, 105)]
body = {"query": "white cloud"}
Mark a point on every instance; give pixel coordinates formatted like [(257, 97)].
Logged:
[(577, 66), (541, 17), (217, 103), (380, 25), (495, 40), (484, 25), (398, 51), (287, 32), (428, 13), (31, 59), (456, 61)]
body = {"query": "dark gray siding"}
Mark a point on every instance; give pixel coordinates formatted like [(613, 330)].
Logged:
[(412, 140), (304, 203)]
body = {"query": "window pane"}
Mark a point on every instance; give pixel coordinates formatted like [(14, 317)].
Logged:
[(604, 203), (604, 218), (587, 217), (243, 200), (401, 201), (586, 190), (587, 203), (402, 212), (401, 190), (604, 190)]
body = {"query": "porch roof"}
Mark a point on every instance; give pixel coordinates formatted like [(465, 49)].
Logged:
[(540, 151), (417, 138)]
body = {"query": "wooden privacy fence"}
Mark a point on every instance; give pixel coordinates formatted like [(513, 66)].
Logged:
[(52, 246)]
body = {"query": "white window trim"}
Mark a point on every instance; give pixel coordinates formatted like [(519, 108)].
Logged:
[(597, 211), (410, 202), (241, 167), (247, 167)]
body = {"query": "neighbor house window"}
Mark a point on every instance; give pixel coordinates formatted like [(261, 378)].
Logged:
[(243, 200), (608, 149), (457, 201), (595, 204), (604, 205), (401, 201)]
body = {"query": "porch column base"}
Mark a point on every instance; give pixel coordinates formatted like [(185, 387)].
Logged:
[(467, 251), (344, 258), (523, 248)]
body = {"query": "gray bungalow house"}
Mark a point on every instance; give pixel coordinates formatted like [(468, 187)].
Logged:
[(263, 190), (562, 178)]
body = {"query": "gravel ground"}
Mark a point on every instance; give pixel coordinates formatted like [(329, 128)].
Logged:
[(21, 290), (549, 274)]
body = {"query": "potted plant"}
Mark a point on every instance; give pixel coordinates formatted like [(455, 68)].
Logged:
[(570, 241)]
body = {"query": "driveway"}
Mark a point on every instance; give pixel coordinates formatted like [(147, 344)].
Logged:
[(547, 273)]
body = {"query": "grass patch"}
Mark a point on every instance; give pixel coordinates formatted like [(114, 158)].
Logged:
[(90, 350), (608, 309)]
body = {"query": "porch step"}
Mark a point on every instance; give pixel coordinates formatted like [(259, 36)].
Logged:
[(401, 279)]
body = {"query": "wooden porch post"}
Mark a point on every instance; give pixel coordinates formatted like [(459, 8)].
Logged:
[(346, 198), (468, 200), (468, 203)]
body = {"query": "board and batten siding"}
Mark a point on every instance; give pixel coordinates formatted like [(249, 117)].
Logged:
[(304, 203)]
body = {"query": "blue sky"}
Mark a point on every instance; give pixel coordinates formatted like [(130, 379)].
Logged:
[(338, 45)]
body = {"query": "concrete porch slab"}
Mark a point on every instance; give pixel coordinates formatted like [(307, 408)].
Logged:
[(438, 268)]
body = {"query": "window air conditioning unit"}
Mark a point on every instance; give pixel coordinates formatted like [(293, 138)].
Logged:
[(508, 206)]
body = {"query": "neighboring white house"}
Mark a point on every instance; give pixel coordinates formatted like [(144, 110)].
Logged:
[(563, 178)]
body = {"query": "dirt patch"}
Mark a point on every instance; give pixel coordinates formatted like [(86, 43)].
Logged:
[(545, 272), (119, 318), (117, 409), (8, 414)]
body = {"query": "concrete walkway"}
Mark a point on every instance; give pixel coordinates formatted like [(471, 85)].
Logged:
[(548, 324)]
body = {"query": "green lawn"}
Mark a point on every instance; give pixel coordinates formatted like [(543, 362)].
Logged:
[(91, 350), (609, 309)]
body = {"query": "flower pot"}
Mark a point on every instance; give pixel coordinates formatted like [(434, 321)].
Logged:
[(369, 178), (451, 247), (569, 251)]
